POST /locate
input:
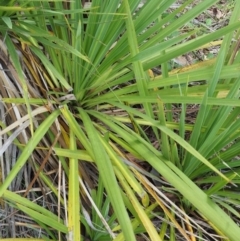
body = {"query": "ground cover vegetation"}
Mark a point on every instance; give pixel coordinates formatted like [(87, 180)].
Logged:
[(105, 135)]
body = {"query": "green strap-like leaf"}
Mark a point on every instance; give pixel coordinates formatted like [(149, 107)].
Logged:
[(28, 150)]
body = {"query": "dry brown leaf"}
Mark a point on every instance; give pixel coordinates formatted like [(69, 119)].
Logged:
[(217, 13)]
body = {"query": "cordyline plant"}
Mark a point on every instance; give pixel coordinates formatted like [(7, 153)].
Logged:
[(91, 148)]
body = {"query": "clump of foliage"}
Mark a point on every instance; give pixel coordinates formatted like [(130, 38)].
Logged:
[(100, 152)]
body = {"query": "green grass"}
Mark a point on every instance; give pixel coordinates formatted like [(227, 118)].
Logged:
[(103, 154)]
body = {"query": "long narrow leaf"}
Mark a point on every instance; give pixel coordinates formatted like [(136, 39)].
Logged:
[(38, 135)]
